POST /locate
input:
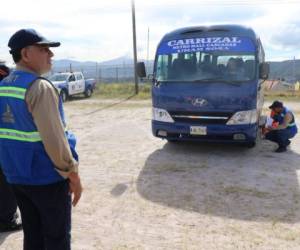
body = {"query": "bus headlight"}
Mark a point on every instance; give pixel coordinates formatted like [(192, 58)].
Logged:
[(243, 117), (161, 115)]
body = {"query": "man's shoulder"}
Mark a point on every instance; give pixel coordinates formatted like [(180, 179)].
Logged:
[(41, 87), (42, 84)]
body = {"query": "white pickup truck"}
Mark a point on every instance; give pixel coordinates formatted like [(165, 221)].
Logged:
[(72, 83)]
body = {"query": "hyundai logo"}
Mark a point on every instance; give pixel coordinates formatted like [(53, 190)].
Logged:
[(199, 102)]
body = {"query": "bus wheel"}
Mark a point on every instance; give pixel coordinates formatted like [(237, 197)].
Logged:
[(251, 144), (172, 141)]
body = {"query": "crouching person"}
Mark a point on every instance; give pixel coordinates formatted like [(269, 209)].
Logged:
[(286, 128)]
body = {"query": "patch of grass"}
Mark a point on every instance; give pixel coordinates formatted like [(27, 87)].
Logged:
[(284, 233), (245, 191), (114, 104), (122, 90), (288, 95)]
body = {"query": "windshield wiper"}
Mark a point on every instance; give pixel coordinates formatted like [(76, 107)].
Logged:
[(233, 82), (159, 82), (210, 79)]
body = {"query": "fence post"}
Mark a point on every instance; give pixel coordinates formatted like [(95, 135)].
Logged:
[(117, 75)]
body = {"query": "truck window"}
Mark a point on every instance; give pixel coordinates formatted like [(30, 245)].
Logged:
[(71, 78), (79, 77)]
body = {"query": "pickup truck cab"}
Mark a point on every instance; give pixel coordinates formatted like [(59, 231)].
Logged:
[(72, 83)]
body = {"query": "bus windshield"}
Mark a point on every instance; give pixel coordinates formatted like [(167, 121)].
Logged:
[(193, 62)]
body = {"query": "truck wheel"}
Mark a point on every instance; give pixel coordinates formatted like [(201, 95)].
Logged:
[(64, 95), (172, 141), (88, 92), (251, 144)]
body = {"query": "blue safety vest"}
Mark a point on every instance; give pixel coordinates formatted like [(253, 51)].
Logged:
[(23, 157), (280, 118)]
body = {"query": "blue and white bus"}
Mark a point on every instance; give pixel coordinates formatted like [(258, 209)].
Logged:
[(207, 84)]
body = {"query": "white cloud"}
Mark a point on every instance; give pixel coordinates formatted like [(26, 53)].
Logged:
[(100, 30)]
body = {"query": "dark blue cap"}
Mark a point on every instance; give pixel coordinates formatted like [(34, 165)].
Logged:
[(276, 104), (27, 37)]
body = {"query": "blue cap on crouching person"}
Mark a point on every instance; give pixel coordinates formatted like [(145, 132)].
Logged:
[(28, 37), (276, 104)]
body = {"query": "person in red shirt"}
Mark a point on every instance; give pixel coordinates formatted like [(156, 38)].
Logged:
[(285, 129)]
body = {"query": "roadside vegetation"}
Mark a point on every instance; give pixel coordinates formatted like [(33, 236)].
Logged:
[(122, 90), (289, 95)]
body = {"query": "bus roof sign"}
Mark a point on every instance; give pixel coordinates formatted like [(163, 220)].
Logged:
[(206, 44)]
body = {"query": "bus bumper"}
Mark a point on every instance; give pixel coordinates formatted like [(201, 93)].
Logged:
[(213, 133)]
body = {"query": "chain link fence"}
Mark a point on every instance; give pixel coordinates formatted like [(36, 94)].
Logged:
[(103, 73)]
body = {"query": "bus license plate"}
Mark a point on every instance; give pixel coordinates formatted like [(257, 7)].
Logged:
[(198, 130)]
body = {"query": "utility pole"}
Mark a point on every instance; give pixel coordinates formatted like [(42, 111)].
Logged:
[(97, 73), (294, 77), (117, 74), (100, 75), (134, 48), (148, 50)]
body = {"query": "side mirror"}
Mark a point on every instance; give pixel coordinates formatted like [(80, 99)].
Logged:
[(150, 77), (264, 70), (140, 69)]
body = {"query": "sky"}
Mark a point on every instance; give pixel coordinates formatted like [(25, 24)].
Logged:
[(101, 30)]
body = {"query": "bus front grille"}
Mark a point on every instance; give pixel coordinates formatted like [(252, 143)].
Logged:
[(200, 117)]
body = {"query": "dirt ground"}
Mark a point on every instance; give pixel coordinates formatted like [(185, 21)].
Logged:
[(141, 192)]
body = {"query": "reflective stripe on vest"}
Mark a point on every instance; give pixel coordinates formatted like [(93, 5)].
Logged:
[(20, 135), (13, 92), (13, 134)]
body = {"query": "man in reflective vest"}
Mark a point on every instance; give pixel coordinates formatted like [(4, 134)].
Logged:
[(286, 129), (37, 153), (8, 204)]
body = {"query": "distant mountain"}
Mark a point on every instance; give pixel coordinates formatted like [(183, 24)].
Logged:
[(289, 70), (121, 69), (116, 70), (118, 61), (67, 62)]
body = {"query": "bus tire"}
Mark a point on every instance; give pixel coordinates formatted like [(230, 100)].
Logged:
[(251, 144), (172, 141)]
